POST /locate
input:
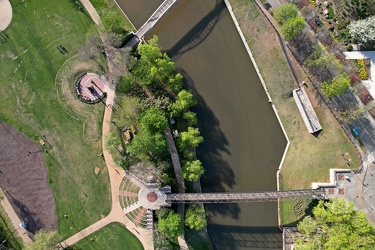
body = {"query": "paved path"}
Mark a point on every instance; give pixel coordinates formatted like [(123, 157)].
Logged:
[(91, 10), (15, 219), (115, 175), (6, 14)]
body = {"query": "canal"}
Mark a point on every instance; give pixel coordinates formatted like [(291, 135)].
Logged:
[(244, 142)]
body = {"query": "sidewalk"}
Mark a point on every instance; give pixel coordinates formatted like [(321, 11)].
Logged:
[(15, 220)]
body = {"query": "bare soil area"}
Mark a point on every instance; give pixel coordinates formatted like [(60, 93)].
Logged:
[(24, 180)]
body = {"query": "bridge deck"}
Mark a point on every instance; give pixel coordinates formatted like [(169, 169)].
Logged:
[(154, 18), (244, 197)]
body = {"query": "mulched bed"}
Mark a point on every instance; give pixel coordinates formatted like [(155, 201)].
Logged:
[(23, 178), (365, 96)]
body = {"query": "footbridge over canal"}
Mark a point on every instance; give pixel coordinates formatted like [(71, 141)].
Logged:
[(154, 18), (154, 198)]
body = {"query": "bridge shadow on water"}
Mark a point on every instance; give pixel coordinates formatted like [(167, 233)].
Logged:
[(199, 32), (236, 237), (218, 173)]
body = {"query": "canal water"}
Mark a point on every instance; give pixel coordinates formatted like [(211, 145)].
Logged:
[(244, 142)]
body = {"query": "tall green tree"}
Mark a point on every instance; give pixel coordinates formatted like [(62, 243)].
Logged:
[(184, 101), (337, 87), (44, 241), (147, 143), (171, 226), (191, 138), (192, 170), (191, 118), (195, 218), (153, 120), (292, 28), (285, 12), (335, 225)]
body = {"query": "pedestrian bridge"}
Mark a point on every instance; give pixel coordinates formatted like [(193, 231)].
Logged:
[(154, 18), (244, 197)]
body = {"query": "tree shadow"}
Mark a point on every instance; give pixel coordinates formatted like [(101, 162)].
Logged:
[(33, 222), (198, 33), (218, 173), (233, 237)]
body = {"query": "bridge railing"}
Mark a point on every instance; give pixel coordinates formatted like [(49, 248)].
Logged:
[(244, 197)]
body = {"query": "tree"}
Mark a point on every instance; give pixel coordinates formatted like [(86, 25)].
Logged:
[(184, 101), (191, 118), (195, 218), (190, 138), (162, 213), (323, 65), (337, 87), (363, 31), (113, 22), (153, 120), (335, 225), (175, 82), (349, 113), (192, 170), (285, 12), (292, 28), (112, 141), (147, 143), (44, 241), (91, 49), (171, 226)]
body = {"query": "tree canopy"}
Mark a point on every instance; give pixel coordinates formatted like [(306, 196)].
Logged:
[(195, 218), (153, 120), (338, 86), (171, 226), (292, 28), (363, 31), (192, 170), (148, 143), (185, 100), (191, 137), (335, 225), (44, 241), (285, 12)]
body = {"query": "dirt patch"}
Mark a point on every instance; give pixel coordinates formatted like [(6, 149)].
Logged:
[(96, 170), (24, 177), (365, 96)]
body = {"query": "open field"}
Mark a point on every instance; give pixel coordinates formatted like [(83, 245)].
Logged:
[(309, 157), (36, 101), (112, 236)]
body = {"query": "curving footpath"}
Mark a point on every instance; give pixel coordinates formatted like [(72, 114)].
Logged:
[(115, 175)]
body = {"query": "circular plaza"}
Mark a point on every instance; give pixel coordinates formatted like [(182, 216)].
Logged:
[(90, 88)]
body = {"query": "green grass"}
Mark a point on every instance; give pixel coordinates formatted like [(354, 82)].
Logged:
[(6, 229), (103, 6), (34, 103), (309, 158), (112, 236)]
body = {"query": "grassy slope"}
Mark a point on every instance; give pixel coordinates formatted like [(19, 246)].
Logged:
[(309, 157), (29, 63), (112, 236)]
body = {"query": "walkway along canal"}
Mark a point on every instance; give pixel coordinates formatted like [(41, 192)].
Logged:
[(244, 142)]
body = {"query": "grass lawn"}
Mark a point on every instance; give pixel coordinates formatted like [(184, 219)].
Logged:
[(309, 158), (6, 229), (112, 236), (36, 86)]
